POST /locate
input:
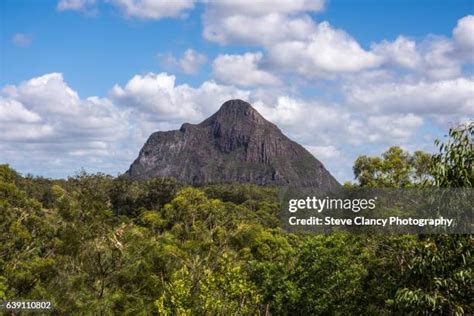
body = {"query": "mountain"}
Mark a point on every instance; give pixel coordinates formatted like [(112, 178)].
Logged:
[(235, 144)]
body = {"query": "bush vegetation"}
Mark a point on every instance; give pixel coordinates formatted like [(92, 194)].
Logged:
[(96, 244)]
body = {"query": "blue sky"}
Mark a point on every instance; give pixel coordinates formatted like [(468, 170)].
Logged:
[(340, 77)]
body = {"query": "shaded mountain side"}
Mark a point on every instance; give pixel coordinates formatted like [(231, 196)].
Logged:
[(236, 144)]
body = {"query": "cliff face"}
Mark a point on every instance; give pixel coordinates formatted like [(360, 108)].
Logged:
[(236, 144)]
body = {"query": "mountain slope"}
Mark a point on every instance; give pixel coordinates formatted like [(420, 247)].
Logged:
[(236, 144)]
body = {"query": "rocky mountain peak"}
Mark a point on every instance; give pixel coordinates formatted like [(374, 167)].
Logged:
[(237, 108), (234, 112), (235, 144)]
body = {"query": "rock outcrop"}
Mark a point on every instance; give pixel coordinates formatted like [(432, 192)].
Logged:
[(236, 144)]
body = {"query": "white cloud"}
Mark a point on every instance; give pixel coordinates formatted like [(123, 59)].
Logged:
[(14, 111), (464, 34), (301, 115), (255, 30), (445, 97), (383, 129), (261, 22), (435, 57), (324, 152), (156, 94), (26, 132), (320, 126), (22, 39), (308, 122), (328, 51), (402, 52), (46, 115), (294, 42), (439, 60), (334, 159), (152, 9), (48, 93), (242, 70), (160, 99), (399, 127), (189, 63), (46, 128)]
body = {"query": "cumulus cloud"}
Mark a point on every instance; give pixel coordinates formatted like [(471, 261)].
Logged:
[(429, 98), (48, 93), (293, 40), (324, 125), (402, 52), (14, 111), (22, 39), (464, 34), (439, 59), (294, 43), (189, 63), (43, 119), (153, 10), (435, 57), (436, 88), (159, 98), (398, 127), (259, 22), (255, 30), (302, 115), (388, 130), (328, 51), (242, 70)]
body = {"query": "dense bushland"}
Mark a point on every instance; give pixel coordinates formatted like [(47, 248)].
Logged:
[(95, 244)]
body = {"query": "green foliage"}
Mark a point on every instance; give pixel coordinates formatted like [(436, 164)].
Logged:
[(215, 290), (7, 174), (395, 169), (439, 277), (94, 244), (431, 274), (129, 197), (329, 275), (438, 274), (453, 166)]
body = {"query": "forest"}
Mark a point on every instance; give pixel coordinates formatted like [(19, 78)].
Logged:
[(103, 245)]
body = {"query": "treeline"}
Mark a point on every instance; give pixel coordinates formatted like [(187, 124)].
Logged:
[(96, 244)]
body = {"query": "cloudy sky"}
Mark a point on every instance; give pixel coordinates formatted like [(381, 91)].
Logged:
[(84, 82)]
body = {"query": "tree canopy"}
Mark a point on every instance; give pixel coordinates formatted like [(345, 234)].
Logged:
[(96, 244)]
